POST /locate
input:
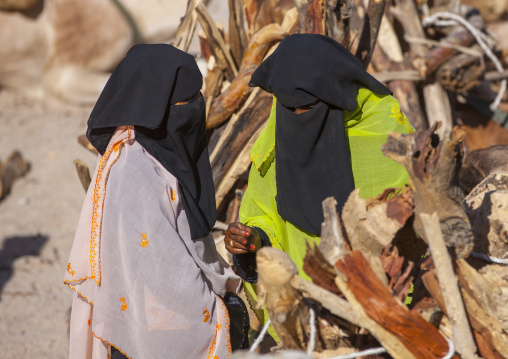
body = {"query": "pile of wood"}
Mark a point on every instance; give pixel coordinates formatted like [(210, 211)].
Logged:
[(430, 236)]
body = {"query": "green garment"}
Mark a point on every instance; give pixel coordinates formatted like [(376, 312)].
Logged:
[(367, 129)]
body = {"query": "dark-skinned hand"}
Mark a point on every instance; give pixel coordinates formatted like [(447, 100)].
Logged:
[(240, 239)]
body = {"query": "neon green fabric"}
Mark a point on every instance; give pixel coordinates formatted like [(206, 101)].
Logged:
[(367, 129)]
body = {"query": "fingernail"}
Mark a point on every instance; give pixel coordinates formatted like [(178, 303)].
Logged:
[(252, 247), (244, 241), (246, 233)]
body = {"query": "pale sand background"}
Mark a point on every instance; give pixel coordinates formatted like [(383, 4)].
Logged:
[(38, 219)]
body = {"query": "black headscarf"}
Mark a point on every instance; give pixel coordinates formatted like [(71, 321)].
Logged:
[(142, 91), (311, 148)]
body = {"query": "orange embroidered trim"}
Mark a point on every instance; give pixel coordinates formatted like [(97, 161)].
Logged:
[(211, 351), (69, 269), (173, 195), (206, 313), (117, 348), (89, 322), (226, 317), (95, 232), (67, 281), (116, 148), (144, 242), (88, 300), (124, 304)]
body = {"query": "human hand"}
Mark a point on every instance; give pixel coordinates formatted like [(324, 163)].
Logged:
[(240, 239)]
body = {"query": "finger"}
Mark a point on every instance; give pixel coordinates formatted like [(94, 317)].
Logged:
[(240, 229), (237, 242), (230, 247)]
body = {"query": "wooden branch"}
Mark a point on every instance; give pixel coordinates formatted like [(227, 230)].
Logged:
[(237, 32), (338, 13), (489, 333), (83, 173), (438, 109), (370, 31), (187, 27), (217, 43), (333, 245), (310, 13), (232, 160), (402, 333), (336, 305), (230, 100), (320, 270), (406, 13), (461, 73), (433, 178), (371, 228), (12, 168), (456, 313), (286, 307), (429, 63)]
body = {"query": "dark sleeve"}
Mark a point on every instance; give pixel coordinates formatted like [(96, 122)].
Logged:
[(246, 263)]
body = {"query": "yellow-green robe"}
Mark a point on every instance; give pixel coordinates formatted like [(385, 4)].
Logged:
[(366, 129)]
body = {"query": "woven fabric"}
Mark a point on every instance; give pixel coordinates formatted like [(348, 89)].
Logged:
[(142, 284)]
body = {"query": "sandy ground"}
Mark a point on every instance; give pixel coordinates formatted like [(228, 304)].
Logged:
[(37, 223)]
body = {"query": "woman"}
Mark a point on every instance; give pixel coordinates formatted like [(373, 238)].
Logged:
[(323, 138), (146, 274)]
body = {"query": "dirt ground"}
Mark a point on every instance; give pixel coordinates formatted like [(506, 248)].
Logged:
[(37, 223)]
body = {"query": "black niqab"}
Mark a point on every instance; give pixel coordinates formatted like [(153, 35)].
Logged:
[(142, 91), (311, 148)]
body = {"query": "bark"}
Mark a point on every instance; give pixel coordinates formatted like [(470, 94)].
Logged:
[(338, 13), (462, 336), (237, 32), (311, 17), (433, 168), (370, 31)]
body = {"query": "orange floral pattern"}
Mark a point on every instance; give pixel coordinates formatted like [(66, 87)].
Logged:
[(206, 313), (144, 242), (173, 195), (69, 269), (124, 304)]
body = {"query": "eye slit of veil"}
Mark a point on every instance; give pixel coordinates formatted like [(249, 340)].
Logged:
[(304, 108), (195, 97)]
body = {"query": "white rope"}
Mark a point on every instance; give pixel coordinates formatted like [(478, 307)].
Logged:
[(451, 349), (260, 336), (312, 336), (480, 39), (489, 258), (363, 353)]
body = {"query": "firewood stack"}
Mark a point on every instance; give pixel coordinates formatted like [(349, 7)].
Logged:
[(431, 244)]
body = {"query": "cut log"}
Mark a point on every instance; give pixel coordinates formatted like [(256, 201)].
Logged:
[(310, 13), (230, 100), (455, 310), (402, 333), (372, 22), (12, 168), (338, 13), (433, 178)]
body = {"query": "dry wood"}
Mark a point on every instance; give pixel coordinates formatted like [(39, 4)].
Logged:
[(438, 109), (333, 245), (320, 270), (311, 17), (285, 305), (232, 214), (455, 310), (12, 168), (237, 32), (83, 173), (226, 168), (487, 208), (259, 13), (429, 63), (489, 334), (187, 27), (461, 73), (217, 43), (372, 227), (406, 13), (337, 15), (336, 305), (230, 100), (18, 5), (370, 31), (402, 333), (405, 91), (433, 168)]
